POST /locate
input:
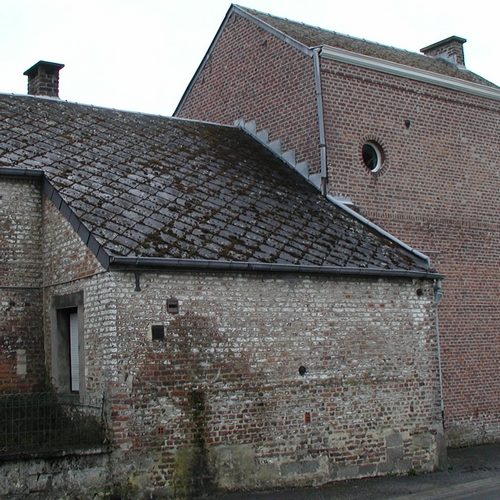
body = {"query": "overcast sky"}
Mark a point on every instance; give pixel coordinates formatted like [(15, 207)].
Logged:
[(140, 55)]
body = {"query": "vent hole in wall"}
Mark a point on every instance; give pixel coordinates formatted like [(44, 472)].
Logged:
[(157, 332)]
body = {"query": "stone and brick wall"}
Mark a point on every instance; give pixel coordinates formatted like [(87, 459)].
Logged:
[(88, 475), (21, 332), (223, 394), (437, 191), (69, 268), (220, 401), (65, 259)]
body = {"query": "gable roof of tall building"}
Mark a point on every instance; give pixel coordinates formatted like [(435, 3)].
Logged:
[(156, 190), (312, 36)]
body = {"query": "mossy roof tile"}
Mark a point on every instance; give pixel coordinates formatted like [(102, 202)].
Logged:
[(204, 191)]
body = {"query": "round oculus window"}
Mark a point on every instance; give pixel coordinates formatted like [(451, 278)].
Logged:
[(372, 156)]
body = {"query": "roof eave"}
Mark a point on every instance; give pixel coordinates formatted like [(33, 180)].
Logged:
[(21, 173), (402, 70), (135, 263), (152, 263)]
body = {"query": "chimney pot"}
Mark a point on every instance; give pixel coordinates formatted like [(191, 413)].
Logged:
[(43, 79), (451, 49)]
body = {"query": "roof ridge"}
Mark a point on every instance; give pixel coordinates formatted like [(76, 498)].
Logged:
[(107, 108), (309, 37), (338, 33)]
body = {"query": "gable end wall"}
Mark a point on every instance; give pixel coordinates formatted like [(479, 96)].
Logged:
[(71, 269), (266, 80)]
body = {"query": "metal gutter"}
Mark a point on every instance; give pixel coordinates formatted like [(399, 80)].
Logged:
[(378, 229), (141, 263), (20, 287), (321, 122), (421, 75), (21, 173)]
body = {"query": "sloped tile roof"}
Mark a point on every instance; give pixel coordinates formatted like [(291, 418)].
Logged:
[(312, 36), (150, 186)]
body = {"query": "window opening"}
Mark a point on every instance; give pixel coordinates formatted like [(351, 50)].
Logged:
[(372, 156), (68, 359), (74, 352)]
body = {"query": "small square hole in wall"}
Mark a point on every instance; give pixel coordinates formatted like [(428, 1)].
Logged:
[(157, 332)]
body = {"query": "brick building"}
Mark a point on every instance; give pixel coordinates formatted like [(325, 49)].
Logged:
[(244, 330), (408, 140)]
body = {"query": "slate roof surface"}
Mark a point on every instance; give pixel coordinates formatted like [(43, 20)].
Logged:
[(312, 36), (151, 186)]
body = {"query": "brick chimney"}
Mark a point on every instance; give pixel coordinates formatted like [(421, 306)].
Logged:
[(450, 49), (43, 79)]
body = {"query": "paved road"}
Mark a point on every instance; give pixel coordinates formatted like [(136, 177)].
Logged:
[(473, 474), (483, 489)]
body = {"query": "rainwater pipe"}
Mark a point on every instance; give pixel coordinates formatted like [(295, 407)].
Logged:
[(438, 295), (321, 122)]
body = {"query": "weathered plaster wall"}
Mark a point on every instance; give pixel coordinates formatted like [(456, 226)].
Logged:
[(21, 334)]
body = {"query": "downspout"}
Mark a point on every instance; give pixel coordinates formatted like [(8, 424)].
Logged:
[(438, 295), (321, 122)]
